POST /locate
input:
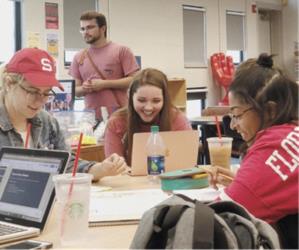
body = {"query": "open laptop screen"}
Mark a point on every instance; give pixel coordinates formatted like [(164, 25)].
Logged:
[(26, 186)]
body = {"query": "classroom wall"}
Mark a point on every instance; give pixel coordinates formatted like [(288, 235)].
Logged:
[(290, 26), (154, 30), (34, 28)]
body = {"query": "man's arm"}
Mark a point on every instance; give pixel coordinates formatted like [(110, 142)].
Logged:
[(98, 84), (113, 84), (79, 89)]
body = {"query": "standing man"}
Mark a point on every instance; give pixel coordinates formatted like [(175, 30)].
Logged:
[(103, 71)]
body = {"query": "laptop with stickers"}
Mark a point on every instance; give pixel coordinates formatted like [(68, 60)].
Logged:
[(27, 190), (181, 147)]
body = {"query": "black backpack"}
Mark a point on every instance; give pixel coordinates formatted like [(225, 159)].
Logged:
[(181, 223), (287, 229)]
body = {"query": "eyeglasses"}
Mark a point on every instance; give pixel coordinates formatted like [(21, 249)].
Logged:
[(35, 95), (238, 117), (87, 28)]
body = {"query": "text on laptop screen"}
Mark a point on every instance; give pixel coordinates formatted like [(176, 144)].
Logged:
[(26, 184)]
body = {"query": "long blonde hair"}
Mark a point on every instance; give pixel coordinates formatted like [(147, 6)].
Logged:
[(6, 77)]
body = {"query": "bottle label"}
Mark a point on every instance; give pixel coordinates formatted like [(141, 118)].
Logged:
[(155, 165)]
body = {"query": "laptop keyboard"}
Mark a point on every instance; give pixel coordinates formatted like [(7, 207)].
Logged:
[(9, 229)]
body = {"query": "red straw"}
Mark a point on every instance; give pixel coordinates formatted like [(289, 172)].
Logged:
[(28, 134), (72, 182), (77, 155), (218, 127)]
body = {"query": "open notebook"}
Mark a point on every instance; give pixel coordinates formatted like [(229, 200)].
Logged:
[(182, 148), (122, 207), (27, 190), (127, 207)]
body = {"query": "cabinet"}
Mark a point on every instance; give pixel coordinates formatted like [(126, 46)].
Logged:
[(177, 92), (92, 152)]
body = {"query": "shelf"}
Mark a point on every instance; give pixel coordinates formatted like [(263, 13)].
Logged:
[(92, 152), (177, 92)]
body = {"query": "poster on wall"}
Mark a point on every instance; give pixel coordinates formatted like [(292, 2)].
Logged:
[(52, 44), (33, 40), (51, 11)]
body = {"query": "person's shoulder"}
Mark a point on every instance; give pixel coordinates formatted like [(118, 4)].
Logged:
[(268, 139), (276, 131), (117, 124), (123, 49), (180, 120), (118, 119), (80, 56), (45, 117), (178, 114), (118, 45)]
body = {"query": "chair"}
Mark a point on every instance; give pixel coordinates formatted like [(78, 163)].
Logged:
[(287, 229), (223, 70)]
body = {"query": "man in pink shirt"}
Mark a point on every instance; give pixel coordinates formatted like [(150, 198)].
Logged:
[(104, 71)]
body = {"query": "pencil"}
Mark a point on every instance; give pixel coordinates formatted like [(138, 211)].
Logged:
[(226, 177)]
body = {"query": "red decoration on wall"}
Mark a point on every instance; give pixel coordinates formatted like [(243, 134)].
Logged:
[(51, 15), (223, 70)]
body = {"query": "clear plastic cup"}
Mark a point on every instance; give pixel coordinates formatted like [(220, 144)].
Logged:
[(220, 150), (72, 194)]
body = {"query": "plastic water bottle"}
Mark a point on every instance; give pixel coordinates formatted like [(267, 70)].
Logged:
[(155, 148)]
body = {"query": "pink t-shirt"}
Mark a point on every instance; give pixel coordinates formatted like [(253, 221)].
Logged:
[(117, 127), (114, 61), (267, 181)]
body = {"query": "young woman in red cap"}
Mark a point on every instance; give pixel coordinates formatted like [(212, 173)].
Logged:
[(27, 83)]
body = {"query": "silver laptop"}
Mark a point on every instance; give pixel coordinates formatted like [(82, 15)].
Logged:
[(27, 190), (182, 150)]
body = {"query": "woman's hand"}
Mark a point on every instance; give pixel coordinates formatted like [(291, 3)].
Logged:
[(220, 175), (113, 165)]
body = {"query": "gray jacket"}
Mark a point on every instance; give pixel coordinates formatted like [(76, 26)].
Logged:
[(45, 132)]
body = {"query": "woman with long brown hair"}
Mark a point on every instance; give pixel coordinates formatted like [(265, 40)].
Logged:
[(149, 104)]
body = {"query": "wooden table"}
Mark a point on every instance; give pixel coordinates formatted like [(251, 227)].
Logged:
[(102, 237)]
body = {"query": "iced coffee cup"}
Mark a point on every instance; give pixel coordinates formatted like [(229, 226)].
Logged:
[(72, 194), (220, 150)]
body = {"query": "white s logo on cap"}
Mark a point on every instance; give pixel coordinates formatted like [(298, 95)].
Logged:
[(46, 63)]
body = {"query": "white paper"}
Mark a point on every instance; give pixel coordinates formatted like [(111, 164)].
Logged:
[(123, 205)]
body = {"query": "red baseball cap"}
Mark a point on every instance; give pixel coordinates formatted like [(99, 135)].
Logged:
[(36, 65)]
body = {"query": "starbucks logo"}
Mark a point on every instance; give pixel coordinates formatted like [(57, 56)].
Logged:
[(75, 210)]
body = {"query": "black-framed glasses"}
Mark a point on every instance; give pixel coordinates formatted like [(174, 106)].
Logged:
[(87, 28), (238, 117), (35, 94)]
